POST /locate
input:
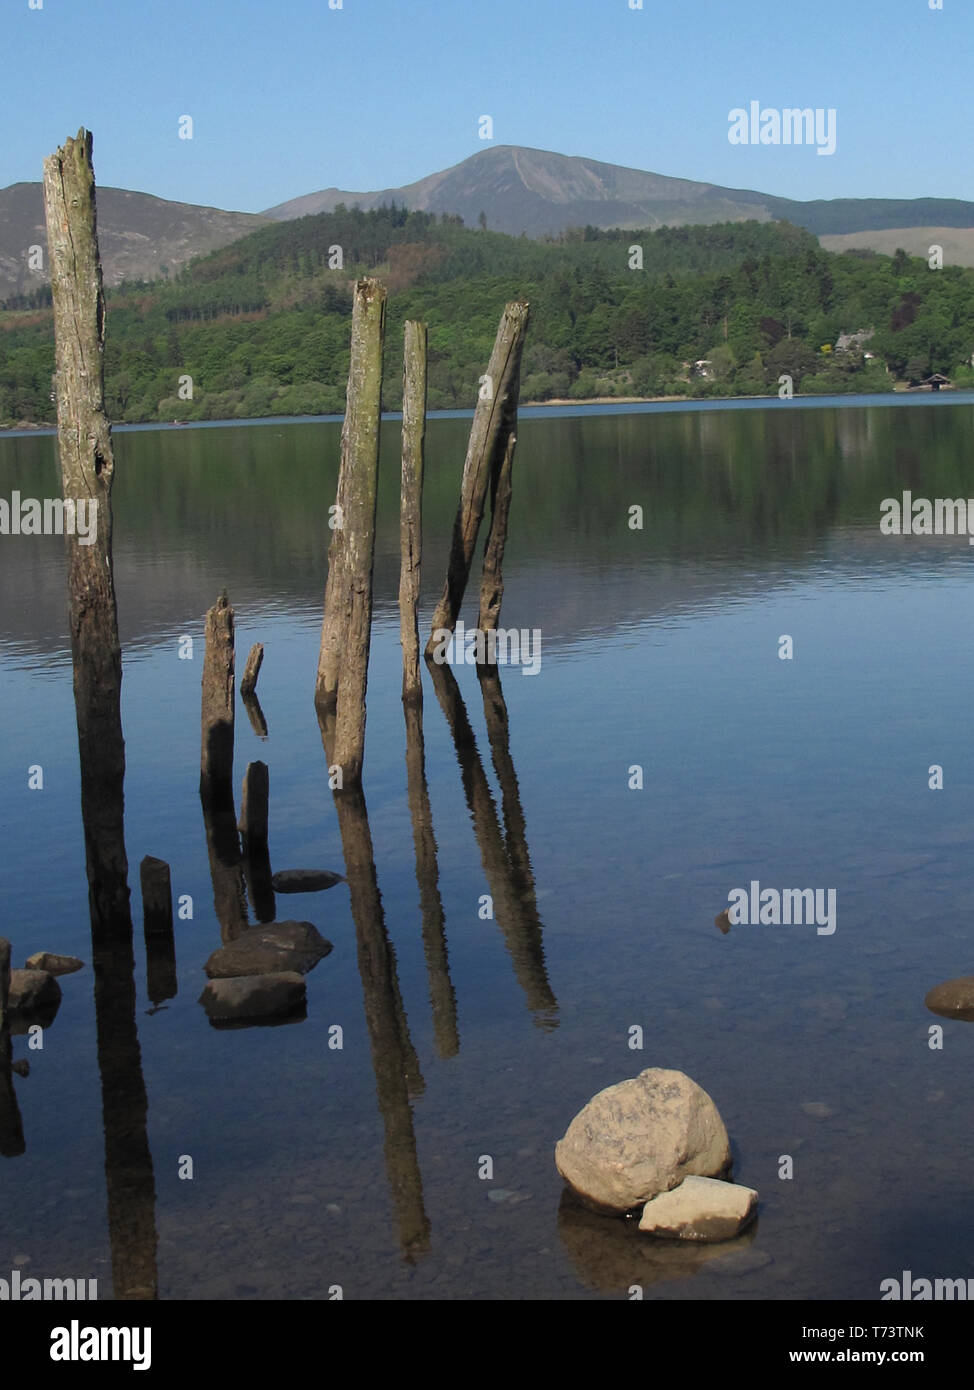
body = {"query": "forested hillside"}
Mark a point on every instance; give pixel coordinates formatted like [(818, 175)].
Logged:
[(262, 326)]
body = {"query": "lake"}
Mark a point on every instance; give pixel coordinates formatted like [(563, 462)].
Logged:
[(316, 1166)]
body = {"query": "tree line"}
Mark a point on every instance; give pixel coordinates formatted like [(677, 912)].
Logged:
[(261, 326)]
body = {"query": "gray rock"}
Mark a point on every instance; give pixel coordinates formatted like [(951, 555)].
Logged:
[(53, 963), (33, 992), (641, 1137), (254, 998), (953, 999), (304, 880), (700, 1209), (296, 946)]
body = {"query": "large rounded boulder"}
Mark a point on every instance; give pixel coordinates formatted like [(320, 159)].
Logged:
[(642, 1137)]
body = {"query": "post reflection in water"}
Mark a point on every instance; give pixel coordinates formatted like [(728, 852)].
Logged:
[(506, 863), (129, 1174), (394, 1061), (443, 1000)]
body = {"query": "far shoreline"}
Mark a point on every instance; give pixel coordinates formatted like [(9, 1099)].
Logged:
[(899, 395)]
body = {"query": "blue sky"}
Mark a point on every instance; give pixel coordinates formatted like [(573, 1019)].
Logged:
[(291, 96)]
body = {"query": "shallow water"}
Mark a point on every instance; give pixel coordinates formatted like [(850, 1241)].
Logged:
[(315, 1167)]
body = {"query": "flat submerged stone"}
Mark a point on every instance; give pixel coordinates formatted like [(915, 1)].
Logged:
[(254, 998), (265, 950), (700, 1209), (304, 880), (953, 999)]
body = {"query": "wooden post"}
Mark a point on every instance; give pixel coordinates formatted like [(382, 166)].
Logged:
[(411, 502), (254, 803), (87, 474), (248, 681), (492, 578), (11, 1125), (254, 815), (160, 946), (494, 419), (343, 660), (216, 756)]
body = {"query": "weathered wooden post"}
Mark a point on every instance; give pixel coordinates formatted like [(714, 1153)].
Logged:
[(343, 661), (11, 1126), (216, 754), (411, 503), (254, 815), (87, 474), (494, 420), (492, 576), (248, 681), (160, 946)]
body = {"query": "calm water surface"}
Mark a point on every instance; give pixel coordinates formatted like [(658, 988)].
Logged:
[(316, 1167)]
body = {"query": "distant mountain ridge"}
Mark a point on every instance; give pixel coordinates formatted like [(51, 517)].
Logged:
[(138, 234), (536, 192), (539, 192)]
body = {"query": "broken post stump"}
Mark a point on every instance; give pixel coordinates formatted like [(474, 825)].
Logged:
[(248, 681), (160, 945), (411, 503), (254, 807), (11, 1126), (216, 756), (494, 419), (343, 660)]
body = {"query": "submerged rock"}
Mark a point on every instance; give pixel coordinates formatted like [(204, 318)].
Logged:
[(641, 1137), (700, 1209), (53, 963), (953, 999), (278, 946), (33, 992), (304, 880), (21, 1067), (723, 921), (254, 998)]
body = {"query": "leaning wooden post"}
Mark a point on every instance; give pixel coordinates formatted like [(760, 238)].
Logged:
[(248, 681), (87, 474), (411, 503), (493, 421), (492, 578), (216, 753), (343, 661)]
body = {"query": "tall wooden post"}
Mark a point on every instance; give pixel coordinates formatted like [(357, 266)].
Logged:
[(343, 661), (411, 503), (216, 752), (494, 419), (87, 474)]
